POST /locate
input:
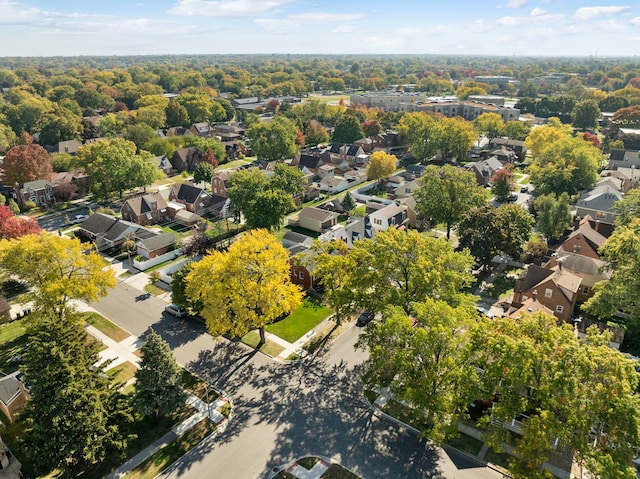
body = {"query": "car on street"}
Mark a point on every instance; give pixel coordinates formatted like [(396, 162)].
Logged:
[(512, 198), (524, 189), (78, 219), (365, 318), (175, 310)]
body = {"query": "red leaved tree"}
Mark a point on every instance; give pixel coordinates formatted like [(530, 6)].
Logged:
[(12, 227), (26, 163)]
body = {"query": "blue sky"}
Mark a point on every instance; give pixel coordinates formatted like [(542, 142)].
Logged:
[(507, 27)]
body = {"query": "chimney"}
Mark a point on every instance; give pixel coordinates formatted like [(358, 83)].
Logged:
[(534, 295)]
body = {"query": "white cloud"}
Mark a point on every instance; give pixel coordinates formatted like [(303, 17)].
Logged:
[(516, 3), (324, 17), (635, 21), (226, 8), (511, 21), (587, 13), (536, 12), (345, 29)]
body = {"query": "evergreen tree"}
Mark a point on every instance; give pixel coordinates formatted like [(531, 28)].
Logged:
[(348, 203), (68, 421), (158, 381)]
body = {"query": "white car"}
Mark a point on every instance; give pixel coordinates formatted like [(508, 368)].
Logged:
[(175, 310), (78, 219)]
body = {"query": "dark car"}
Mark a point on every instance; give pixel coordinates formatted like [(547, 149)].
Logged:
[(512, 198), (524, 189), (365, 318)]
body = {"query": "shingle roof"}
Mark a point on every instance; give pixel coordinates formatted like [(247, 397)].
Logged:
[(9, 388), (158, 241), (146, 203), (188, 192), (317, 214)]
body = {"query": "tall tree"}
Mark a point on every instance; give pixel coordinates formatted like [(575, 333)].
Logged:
[(585, 114), (516, 130), (502, 184), (274, 140), (12, 226), (315, 133), (348, 203), (24, 163), (203, 172), (628, 117), (246, 287), (553, 215), (68, 421), (158, 387), (365, 278), (455, 137), (424, 363), (421, 132), (490, 125), (113, 166), (347, 129), (446, 193), (580, 392), (57, 269), (381, 165)]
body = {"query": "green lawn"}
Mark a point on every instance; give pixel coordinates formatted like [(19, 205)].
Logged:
[(13, 339), (122, 373), (298, 323), (252, 338), (154, 289), (196, 386), (466, 443), (105, 326), (232, 164)]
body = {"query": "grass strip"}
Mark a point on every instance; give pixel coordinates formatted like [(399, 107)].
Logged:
[(105, 326)]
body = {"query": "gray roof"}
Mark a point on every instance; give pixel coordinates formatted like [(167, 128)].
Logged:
[(293, 238), (157, 242), (9, 388), (317, 214)]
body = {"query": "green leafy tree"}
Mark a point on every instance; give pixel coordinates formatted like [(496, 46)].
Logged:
[(420, 131), (426, 365), (158, 387), (246, 287), (580, 392), (628, 207), (315, 133), (203, 172), (364, 278), (585, 114), (348, 203), (8, 138), (59, 124), (490, 125), (455, 137), (348, 129), (553, 215), (516, 130), (177, 115), (69, 421), (113, 166), (274, 140), (139, 134), (628, 117), (178, 290), (502, 184), (446, 193)]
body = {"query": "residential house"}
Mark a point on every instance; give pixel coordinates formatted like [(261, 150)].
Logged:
[(406, 189), (585, 240), (624, 159), (68, 146), (356, 229), (291, 238), (202, 129), (333, 184), (178, 131), (355, 177), (315, 219), (155, 245), (220, 182), (195, 199), (387, 139), (503, 154), (326, 171), (416, 170), (485, 169), (556, 289), (228, 132), (108, 232), (219, 206), (301, 268), (307, 162), (41, 192), (68, 185), (145, 210), (13, 395), (163, 164), (367, 144), (414, 218), (517, 146), (389, 216), (186, 159), (590, 270), (629, 175), (598, 203)]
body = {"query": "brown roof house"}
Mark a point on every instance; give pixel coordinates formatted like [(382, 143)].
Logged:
[(186, 159), (556, 289), (220, 182), (41, 192), (13, 395), (195, 199), (393, 215), (585, 240), (315, 219), (155, 245), (147, 209), (591, 270)]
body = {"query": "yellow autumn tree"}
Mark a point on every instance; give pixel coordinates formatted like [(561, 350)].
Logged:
[(57, 269), (246, 287), (381, 165)]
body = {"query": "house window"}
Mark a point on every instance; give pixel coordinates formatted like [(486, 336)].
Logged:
[(585, 290), (295, 273), (548, 293), (559, 308), (301, 275), (377, 221), (601, 214)]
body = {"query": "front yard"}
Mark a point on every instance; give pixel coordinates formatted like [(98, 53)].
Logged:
[(298, 323)]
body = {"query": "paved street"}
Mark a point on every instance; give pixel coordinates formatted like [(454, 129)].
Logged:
[(282, 412)]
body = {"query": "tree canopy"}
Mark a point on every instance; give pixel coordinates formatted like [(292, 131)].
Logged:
[(24, 163), (12, 226), (348, 129), (275, 140), (553, 215), (381, 165), (446, 193), (246, 287)]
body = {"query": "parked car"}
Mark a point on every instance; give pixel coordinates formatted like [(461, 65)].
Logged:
[(524, 189), (175, 310), (512, 198), (365, 318), (78, 219)]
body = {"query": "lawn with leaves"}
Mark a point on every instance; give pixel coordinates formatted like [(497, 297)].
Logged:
[(13, 339), (252, 339), (297, 324), (105, 326)]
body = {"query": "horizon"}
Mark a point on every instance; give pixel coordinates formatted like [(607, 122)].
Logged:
[(503, 28)]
